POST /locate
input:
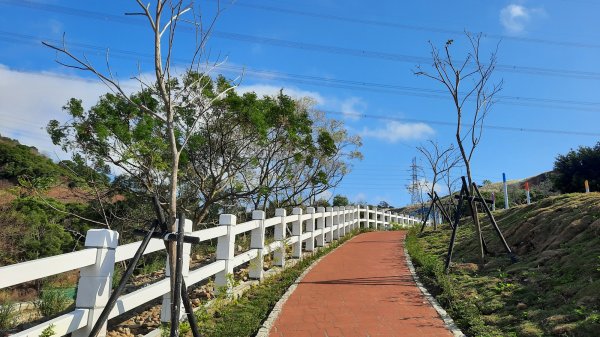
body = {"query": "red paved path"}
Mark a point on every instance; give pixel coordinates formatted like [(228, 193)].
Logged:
[(363, 288)]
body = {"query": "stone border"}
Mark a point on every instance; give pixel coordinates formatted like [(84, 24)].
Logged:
[(268, 324), (448, 321)]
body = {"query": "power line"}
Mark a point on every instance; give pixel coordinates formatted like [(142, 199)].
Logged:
[(388, 24), (302, 45), (493, 127), (330, 82)]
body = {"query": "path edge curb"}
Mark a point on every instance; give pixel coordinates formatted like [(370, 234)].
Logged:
[(448, 321), (268, 324)]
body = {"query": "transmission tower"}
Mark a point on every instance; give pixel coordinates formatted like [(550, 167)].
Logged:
[(414, 187)]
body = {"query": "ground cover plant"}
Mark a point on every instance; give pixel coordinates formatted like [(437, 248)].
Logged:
[(554, 288)]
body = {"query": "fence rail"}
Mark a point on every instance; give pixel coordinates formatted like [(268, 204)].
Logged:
[(310, 229)]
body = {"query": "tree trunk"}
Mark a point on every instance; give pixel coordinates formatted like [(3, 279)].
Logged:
[(473, 205), (434, 217)]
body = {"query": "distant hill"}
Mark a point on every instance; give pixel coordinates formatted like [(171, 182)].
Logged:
[(540, 187), (17, 160)]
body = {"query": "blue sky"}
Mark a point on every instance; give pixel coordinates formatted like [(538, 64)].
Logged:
[(548, 52)]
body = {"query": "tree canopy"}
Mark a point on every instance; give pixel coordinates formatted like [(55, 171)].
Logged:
[(571, 170), (241, 149)]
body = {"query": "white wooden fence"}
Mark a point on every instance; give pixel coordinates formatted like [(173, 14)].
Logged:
[(315, 228)]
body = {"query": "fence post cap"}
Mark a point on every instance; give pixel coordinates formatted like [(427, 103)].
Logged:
[(280, 212), (227, 220), (101, 238), (310, 210), (297, 211), (258, 215), (320, 209), (329, 209), (336, 208)]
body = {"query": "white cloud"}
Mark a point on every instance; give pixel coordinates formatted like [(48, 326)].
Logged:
[(396, 131), (326, 195), (353, 107), (29, 100), (515, 18), (359, 197), (272, 90)]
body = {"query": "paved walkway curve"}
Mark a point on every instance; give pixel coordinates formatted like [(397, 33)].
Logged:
[(363, 288)]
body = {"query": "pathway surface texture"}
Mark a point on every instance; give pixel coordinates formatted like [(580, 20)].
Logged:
[(363, 288)]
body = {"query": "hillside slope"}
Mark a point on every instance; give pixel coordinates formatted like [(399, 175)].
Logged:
[(554, 288)]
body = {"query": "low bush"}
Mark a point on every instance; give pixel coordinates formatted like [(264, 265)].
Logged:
[(52, 302), (8, 316)]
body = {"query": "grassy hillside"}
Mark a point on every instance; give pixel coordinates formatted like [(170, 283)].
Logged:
[(554, 288)]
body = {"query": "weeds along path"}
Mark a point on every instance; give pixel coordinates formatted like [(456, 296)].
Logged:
[(363, 288)]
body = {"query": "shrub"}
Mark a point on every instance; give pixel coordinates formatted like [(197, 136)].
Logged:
[(51, 302), (8, 315)]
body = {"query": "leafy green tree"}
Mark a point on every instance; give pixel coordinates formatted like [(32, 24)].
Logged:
[(572, 169), (322, 203), (41, 229), (340, 200)]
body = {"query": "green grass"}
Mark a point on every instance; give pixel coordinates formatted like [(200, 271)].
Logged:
[(554, 288)]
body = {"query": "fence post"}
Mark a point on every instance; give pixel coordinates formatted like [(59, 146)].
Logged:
[(310, 228), (165, 309), (388, 216), (587, 186), (329, 224), (335, 226), (297, 232), (343, 221), (95, 281), (257, 241), (226, 252), (321, 227), (376, 218), (280, 231)]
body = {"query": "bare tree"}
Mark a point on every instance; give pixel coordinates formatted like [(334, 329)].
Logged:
[(170, 104), (450, 180), (469, 84), (440, 161)]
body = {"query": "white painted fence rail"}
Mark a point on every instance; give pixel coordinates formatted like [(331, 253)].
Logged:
[(310, 229)]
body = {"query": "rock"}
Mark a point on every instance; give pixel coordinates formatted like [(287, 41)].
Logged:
[(466, 267), (563, 329), (521, 306)]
